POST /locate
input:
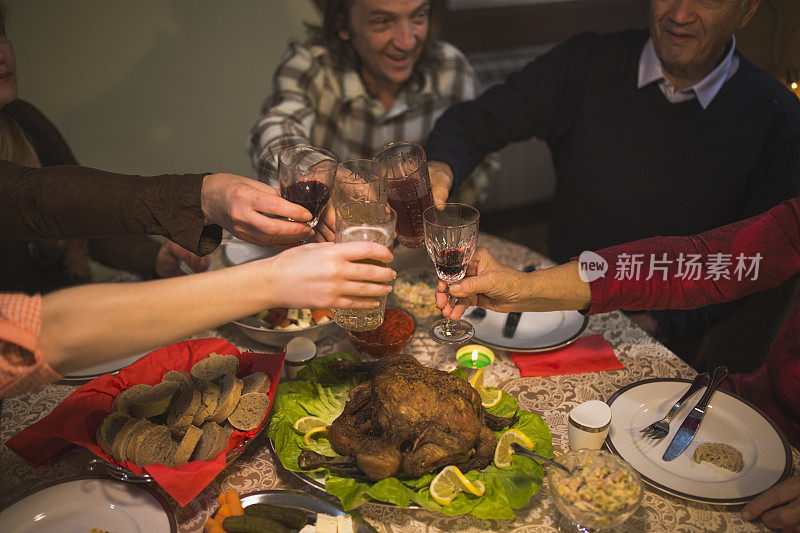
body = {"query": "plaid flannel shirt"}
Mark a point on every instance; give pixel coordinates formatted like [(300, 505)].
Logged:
[(315, 102)]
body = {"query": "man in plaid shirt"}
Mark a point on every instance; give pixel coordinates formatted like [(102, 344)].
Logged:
[(373, 73)]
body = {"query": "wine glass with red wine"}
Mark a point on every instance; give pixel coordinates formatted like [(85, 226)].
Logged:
[(409, 188), (306, 175), (451, 234)]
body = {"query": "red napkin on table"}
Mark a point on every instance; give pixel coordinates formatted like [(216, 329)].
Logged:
[(76, 419), (587, 354)]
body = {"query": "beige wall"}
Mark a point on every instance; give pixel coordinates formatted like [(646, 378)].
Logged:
[(151, 86)]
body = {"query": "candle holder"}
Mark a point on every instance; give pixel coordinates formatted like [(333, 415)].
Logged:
[(474, 356)]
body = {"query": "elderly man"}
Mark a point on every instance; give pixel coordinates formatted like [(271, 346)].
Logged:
[(667, 133), (373, 73)]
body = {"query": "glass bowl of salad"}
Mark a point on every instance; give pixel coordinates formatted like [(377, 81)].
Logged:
[(601, 493)]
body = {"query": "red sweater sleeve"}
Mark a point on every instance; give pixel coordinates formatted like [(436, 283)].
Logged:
[(716, 266)]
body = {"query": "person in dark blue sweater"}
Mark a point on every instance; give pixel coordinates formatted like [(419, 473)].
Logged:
[(666, 132)]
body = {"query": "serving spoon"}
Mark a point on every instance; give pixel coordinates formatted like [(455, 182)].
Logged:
[(519, 450)]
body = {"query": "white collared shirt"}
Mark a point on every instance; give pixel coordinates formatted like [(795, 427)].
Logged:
[(650, 70)]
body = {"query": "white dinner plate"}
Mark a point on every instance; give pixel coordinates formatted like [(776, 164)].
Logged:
[(729, 419), (104, 368), (238, 251), (536, 332), (77, 505)]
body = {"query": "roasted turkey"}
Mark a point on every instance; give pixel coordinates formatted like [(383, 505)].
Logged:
[(407, 420)]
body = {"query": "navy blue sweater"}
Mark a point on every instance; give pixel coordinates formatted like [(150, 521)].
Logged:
[(630, 164)]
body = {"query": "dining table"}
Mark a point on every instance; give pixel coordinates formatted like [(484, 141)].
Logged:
[(551, 397)]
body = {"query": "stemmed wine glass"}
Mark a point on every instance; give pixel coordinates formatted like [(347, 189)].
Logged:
[(306, 176), (451, 234)]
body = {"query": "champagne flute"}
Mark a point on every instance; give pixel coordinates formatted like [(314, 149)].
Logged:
[(306, 177), (451, 235)]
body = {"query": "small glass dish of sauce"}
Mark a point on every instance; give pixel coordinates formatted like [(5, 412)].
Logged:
[(390, 338)]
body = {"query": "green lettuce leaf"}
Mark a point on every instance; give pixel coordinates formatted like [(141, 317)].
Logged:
[(320, 393)]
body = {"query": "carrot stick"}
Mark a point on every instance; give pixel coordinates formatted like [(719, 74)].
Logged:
[(234, 503), (211, 525), (224, 512)]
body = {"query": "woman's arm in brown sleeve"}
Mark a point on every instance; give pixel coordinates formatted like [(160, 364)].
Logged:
[(62, 202)]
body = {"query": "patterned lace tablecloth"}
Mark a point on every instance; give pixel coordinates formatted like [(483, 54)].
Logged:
[(551, 397)]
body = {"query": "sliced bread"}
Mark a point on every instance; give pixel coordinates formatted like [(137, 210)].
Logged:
[(208, 405), (188, 444), (214, 367), (250, 411), (255, 382), (121, 401), (157, 447), (109, 429), (211, 392), (120, 443), (212, 442), (184, 406), (721, 454), (228, 398), (179, 377), (138, 433), (202, 414), (153, 401)]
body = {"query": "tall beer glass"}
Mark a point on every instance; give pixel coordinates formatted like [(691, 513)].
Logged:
[(359, 181), (367, 221), (409, 188)]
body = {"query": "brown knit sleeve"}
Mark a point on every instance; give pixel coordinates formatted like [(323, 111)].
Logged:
[(62, 202)]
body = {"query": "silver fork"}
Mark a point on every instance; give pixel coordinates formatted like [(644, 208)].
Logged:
[(660, 428)]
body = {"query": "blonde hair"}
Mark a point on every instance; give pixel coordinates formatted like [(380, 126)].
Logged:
[(14, 145)]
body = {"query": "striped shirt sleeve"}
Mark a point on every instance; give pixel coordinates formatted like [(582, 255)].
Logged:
[(22, 367)]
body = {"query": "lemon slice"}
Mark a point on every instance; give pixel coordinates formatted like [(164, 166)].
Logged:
[(490, 397), (477, 379), (308, 438), (503, 451), (449, 482), (307, 423)]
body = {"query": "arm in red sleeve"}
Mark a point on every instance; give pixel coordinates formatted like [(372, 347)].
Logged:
[(735, 260)]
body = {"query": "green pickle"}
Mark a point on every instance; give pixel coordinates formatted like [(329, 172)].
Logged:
[(252, 524), (291, 518)]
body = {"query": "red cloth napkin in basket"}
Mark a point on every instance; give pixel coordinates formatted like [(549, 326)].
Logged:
[(76, 419), (587, 354)]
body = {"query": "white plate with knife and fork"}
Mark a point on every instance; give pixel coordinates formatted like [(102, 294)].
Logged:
[(535, 332), (729, 419)]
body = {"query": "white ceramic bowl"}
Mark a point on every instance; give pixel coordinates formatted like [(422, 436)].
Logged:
[(279, 337)]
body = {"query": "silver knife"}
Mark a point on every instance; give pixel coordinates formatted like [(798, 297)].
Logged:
[(692, 422)]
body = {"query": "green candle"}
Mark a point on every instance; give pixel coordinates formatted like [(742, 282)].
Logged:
[(475, 356)]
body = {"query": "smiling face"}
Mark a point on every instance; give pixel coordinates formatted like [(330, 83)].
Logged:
[(690, 36), (8, 69), (388, 37)]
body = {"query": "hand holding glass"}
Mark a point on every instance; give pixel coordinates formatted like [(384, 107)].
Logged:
[(306, 176), (451, 235), (370, 221)]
